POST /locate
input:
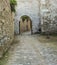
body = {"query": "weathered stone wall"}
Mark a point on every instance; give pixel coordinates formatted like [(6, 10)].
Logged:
[(49, 16), (25, 26), (6, 26), (29, 8)]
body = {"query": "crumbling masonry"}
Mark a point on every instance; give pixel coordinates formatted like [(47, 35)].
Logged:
[(6, 26)]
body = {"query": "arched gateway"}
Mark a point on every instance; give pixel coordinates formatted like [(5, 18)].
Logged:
[(29, 8), (25, 24)]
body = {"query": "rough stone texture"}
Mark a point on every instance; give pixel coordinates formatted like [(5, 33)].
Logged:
[(25, 26), (48, 11), (49, 16), (29, 8), (6, 26), (30, 51)]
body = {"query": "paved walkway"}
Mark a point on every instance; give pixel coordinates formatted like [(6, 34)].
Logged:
[(29, 51)]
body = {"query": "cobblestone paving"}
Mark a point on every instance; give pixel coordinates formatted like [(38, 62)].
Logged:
[(29, 51)]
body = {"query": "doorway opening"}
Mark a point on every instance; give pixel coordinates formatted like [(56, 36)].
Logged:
[(25, 24)]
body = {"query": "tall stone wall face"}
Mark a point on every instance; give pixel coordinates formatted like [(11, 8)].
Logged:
[(29, 8), (49, 19), (6, 26)]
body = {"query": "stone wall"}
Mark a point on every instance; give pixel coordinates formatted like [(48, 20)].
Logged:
[(29, 8), (6, 26), (25, 26), (49, 17)]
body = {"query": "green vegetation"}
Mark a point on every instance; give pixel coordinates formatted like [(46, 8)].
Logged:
[(25, 17), (4, 59), (13, 3)]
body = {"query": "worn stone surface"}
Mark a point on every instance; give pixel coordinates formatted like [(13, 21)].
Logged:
[(6, 25), (29, 51)]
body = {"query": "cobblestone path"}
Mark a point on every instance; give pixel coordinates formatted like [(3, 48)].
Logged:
[(29, 51)]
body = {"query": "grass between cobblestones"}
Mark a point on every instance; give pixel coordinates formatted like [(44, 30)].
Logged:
[(6, 56), (44, 39), (4, 59)]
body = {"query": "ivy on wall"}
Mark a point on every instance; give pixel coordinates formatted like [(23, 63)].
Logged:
[(25, 17), (13, 3)]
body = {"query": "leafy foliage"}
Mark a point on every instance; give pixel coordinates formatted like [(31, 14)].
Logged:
[(13, 3), (25, 17)]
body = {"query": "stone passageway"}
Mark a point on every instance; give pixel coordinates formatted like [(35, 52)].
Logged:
[(29, 51)]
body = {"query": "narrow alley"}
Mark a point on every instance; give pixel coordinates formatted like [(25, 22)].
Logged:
[(28, 32), (30, 51)]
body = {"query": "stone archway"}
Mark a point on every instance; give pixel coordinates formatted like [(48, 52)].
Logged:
[(30, 8), (25, 24)]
